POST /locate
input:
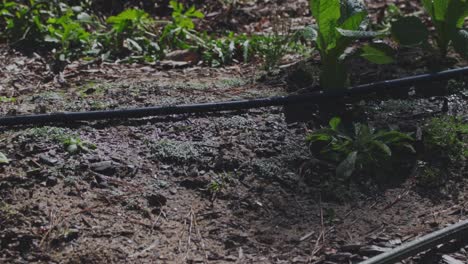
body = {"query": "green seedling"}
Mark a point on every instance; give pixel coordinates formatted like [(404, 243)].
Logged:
[(69, 33), (75, 145), (275, 46), (339, 23), (131, 32), (4, 99), (180, 31), (218, 184), (443, 140), (362, 148)]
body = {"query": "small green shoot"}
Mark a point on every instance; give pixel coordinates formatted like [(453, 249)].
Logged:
[(4, 99), (75, 145)]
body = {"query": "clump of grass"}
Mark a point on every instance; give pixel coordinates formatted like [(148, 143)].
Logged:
[(445, 140)]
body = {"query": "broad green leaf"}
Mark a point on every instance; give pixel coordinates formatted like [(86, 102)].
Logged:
[(378, 53), (429, 7), (393, 136), (440, 8), (461, 20), (346, 168), (334, 123), (457, 10), (197, 14), (383, 147), (354, 22), (326, 13), (409, 31), (3, 159)]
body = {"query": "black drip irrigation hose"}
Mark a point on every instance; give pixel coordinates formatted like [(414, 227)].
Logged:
[(314, 97), (456, 231)]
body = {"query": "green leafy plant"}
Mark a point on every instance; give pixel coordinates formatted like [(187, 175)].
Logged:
[(218, 184), (69, 33), (131, 35), (361, 148), (23, 22), (339, 23), (45, 26), (70, 141), (74, 145), (443, 140), (274, 46), (180, 31), (4, 99), (448, 17), (222, 51)]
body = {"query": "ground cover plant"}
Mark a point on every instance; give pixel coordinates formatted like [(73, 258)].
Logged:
[(360, 149), (355, 177)]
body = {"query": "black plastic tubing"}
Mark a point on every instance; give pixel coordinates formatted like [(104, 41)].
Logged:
[(314, 97), (456, 231)]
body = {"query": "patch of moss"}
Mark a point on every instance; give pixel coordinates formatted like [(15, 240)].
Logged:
[(178, 151)]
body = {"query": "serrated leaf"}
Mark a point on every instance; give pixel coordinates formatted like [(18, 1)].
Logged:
[(346, 168), (378, 53), (409, 31)]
